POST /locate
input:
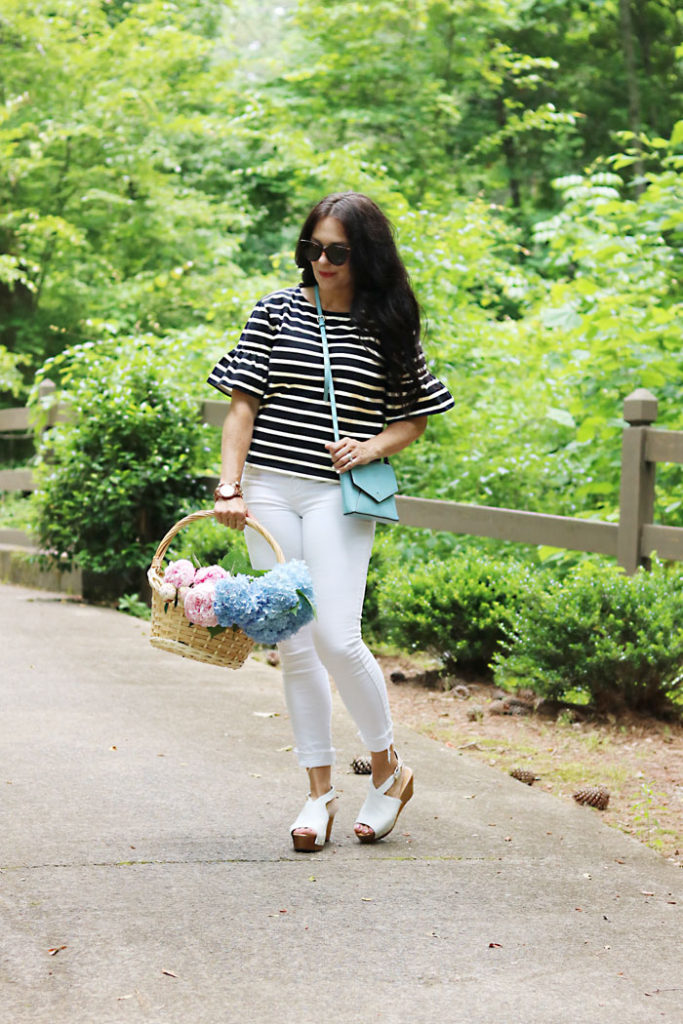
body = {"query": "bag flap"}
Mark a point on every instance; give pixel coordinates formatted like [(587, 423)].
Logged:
[(377, 479)]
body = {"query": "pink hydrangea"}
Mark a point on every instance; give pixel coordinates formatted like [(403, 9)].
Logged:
[(180, 573), (208, 573), (198, 603)]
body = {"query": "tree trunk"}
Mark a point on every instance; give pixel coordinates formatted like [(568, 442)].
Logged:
[(510, 154), (633, 88)]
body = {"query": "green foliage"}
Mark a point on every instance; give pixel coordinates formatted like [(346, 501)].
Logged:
[(205, 542), (16, 512), (118, 138), (457, 610), (617, 640), (478, 94), (11, 381), (132, 605), (114, 477)]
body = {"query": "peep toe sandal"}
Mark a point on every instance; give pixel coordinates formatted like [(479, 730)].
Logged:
[(380, 812), (318, 816)]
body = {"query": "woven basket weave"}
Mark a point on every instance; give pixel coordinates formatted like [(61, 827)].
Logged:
[(172, 631)]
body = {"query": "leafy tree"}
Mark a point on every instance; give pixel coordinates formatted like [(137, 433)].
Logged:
[(118, 210)]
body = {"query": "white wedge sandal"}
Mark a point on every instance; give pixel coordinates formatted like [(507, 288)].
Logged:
[(318, 816), (380, 812)]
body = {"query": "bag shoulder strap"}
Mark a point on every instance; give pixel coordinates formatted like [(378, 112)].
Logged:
[(328, 393)]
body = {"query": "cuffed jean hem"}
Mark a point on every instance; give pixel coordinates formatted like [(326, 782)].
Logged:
[(378, 743), (316, 759)]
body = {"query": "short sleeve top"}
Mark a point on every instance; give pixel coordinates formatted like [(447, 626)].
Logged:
[(279, 360)]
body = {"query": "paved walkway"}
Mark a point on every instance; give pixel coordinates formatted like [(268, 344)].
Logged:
[(145, 806)]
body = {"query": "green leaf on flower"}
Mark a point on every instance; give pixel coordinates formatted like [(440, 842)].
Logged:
[(306, 599), (216, 630)]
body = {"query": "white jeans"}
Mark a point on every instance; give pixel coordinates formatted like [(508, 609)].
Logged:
[(306, 519)]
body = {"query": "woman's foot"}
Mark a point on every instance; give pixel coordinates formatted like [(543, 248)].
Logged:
[(313, 827), (390, 790), (308, 827)]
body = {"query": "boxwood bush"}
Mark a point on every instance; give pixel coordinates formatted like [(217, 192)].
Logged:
[(616, 639), (124, 468), (458, 609)]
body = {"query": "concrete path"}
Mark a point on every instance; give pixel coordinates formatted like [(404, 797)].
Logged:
[(145, 805)]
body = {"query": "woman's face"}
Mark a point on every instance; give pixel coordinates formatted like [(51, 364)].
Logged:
[(329, 277)]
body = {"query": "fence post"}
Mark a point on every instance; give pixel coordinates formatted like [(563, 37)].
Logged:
[(637, 491), (46, 388)]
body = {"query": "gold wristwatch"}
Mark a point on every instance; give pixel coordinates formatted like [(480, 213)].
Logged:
[(226, 491)]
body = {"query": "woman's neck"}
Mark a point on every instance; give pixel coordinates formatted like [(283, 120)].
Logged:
[(332, 299)]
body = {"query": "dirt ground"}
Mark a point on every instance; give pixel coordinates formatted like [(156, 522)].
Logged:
[(639, 760)]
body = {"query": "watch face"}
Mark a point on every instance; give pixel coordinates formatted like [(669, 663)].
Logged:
[(227, 490)]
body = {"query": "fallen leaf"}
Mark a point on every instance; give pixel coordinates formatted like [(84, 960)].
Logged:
[(267, 714), (644, 892), (55, 949), (495, 945), (366, 899), (169, 974)]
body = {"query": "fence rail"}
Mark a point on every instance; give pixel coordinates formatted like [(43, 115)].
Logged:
[(632, 541)]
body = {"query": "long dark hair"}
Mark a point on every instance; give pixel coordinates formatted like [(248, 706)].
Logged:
[(383, 302)]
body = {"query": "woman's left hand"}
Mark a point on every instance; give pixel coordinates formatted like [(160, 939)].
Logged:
[(347, 453)]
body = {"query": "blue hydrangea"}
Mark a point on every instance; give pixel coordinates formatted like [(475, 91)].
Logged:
[(233, 600), (269, 608)]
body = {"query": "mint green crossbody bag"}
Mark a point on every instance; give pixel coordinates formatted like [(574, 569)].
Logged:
[(367, 491)]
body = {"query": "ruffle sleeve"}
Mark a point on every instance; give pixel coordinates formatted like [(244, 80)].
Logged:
[(432, 397), (246, 366)]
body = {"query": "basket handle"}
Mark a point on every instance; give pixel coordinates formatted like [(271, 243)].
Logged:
[(154, 573)]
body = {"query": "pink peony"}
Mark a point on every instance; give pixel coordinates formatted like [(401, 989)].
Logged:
[(209, 572), (180, 573), (198, 602)]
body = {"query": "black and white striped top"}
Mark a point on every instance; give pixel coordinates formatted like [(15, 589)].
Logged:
[(279, 359)]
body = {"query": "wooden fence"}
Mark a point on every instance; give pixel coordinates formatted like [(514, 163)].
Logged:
[(631, 541)]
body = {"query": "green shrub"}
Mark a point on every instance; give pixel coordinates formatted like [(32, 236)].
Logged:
[(124, 468), (616, 639), (457, 609), (205, 542)]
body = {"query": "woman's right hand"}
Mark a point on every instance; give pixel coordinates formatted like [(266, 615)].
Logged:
[(231, 512)]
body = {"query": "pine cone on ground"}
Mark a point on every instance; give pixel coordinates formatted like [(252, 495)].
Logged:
[(362, 766), (524, 775), (594, 796)]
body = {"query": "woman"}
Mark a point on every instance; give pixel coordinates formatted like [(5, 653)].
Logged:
[(278, 444)]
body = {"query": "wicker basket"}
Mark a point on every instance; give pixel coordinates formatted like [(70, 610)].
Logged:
[(172, 631)]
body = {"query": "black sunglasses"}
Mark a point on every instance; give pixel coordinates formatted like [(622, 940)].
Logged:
[(336, 253)]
